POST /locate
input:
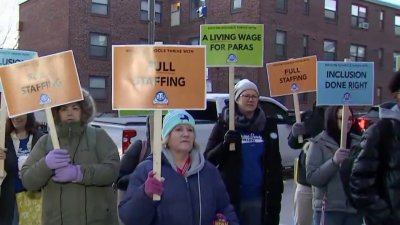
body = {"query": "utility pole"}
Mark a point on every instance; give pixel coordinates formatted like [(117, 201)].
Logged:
[(151, 27)]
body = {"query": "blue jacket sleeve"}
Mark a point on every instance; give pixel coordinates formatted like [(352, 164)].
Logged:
[(223, 202), (137, 207)]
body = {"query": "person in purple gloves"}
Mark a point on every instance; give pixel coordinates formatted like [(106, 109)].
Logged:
[(191, 190), (76, 180)]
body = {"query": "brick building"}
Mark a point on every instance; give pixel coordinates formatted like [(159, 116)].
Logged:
[(364, 30)]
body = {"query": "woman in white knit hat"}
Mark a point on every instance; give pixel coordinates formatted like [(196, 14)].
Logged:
[(253, 172)]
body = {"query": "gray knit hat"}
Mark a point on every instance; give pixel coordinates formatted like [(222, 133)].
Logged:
[(243, 85)]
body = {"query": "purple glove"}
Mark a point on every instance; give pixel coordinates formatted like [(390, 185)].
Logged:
[(57, 158), (152, 185), (69, 173)]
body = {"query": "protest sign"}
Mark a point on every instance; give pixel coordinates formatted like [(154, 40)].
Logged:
[(292, 76), (158, 77), (239, 45), (9, 56), (345, 83), (40, 83)]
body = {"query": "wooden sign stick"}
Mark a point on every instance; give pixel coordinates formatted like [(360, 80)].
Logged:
[(52, 129), (231, 103), (157, 148), (343, 133), (3, 120)]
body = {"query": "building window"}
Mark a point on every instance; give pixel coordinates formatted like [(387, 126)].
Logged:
[(194, 6), (194, 41), (330, 9), (397, 25), (144, 11), (381, 20), (329, 50), (306, 7), (236, 5), (359, 17), (396, 61), (281, 5), (100, 7), (175, 14), (357, 53), (98, 45), (380, 57), (97, 87), (305, 45), (280, 45)]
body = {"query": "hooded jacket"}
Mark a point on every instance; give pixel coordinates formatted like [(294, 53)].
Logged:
[(324, 175), (92, 201), (193, 199), (375, 177)]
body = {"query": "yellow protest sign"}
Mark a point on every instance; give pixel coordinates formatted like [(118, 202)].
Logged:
[(292, 76), (40, 83), (158, 77)]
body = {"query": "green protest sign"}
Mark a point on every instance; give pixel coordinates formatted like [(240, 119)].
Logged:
[(239, 45)]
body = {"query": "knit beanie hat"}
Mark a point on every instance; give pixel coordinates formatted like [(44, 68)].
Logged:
[(243, 85), (175, 118)]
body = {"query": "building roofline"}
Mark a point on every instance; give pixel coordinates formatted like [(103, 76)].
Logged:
[(387, 4)]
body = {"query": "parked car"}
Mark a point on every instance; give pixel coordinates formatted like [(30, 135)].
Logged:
[(370, 117), (125, 130)]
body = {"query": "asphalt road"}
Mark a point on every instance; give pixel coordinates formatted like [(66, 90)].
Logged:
[(287, 203)]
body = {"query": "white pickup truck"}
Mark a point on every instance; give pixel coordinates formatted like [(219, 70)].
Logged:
[(125, 130)]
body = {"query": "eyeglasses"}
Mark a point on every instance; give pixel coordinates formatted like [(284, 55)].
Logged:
[(249, 97)]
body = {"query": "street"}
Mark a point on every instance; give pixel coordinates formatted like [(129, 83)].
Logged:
[(287, 203)]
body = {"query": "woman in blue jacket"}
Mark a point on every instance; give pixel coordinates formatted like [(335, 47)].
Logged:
[(192, 191)]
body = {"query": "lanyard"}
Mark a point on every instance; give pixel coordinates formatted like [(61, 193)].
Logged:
[(185, 167)]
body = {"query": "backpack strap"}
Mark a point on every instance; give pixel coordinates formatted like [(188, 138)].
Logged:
[(143, 150)]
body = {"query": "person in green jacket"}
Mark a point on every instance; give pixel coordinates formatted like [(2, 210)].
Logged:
[(76, 180)]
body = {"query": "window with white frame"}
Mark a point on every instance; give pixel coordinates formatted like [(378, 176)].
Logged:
[(359, 16), (382, 20), (357, 52), (194, 7), (99, 7), (397, 25), (97, 87), (98, 45), (280, 44), (236, 5), (396, 61), (330, 9), (144, 11), (329, 50)]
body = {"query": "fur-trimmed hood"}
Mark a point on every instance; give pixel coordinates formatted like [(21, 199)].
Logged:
[(87, 105)]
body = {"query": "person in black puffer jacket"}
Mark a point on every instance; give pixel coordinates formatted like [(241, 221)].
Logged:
[(375, 176), (253, 172)]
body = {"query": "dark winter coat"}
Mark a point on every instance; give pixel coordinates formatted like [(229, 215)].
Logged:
[(375, 177), (314, 124), (7, 197), (129, 162), (193, 199), (229, 163)]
